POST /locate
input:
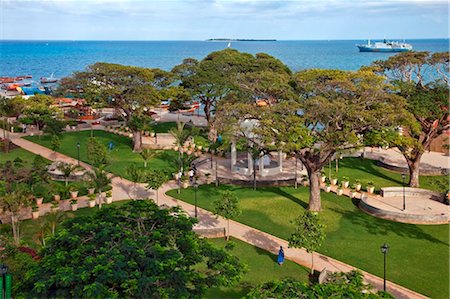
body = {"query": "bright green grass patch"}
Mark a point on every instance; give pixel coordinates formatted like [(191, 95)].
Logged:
[(24, 155), (261, 267), (419, 254), (120, 157), (367, 170)]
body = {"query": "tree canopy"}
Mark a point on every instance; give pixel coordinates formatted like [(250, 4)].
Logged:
[(136, 251)]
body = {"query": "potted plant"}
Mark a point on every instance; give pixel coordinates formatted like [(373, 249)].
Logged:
[(370, 187), (91, 190), (345, 181), (185, 182), (91, 200), (208, 178), (39, 199), (340, 190), (109, 198), (74, 204), (34, 211), (152, 134), (73, 191), (56, 197), (323, 177), (334, 181), (353, 192), (305, 180), (357, 185), (327, 185)]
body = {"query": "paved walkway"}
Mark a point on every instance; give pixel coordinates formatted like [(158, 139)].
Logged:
[(123, 188)]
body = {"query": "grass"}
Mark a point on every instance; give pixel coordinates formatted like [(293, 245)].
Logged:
[(366, 170), (26, 156), (120, 157), (419, 254), (261, 267)]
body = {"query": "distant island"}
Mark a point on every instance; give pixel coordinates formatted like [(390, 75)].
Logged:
[(239, 40)]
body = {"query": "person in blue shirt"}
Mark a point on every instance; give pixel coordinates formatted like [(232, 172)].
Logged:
[(280, 259)]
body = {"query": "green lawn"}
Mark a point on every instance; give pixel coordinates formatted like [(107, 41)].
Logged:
[(26, 156), (366, 170), (120, 157), (261, 267), (419, 254)]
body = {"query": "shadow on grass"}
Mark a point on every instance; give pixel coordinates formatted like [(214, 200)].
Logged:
[(283, 193), (368, 166), (375, 226)]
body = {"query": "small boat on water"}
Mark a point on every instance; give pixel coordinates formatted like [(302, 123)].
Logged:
[(51, 79), (385, 46)]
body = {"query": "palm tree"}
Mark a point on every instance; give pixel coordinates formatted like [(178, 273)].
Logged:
[(67, 170), (100, 180), (13, 202), (148, 154), (181, 137)]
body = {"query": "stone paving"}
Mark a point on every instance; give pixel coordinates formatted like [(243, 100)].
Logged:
[(123, 189)]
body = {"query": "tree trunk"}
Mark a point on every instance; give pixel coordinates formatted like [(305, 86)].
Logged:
[(137, 141), (414, 169), (254, 174), (314, 190), (312, 262), (15, 228), (157, 200)]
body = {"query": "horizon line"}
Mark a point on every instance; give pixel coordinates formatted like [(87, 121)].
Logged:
[(208, 40)]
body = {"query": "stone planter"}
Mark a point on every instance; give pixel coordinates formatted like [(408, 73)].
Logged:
[(91, 203), (109, 200), (185, 185), (91, 190), (74, 206), (323, 178), (353, 194), (35, 214), (339, 191), (370, 189), (305, 183), (358, 187), (152, 134), (334, 181), (327, 188), (208, 180), (39, 200), (57, 197), (73, 194), (345, 184)]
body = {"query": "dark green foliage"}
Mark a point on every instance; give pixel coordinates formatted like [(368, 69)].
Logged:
[(340, 285), (55, 143), (97, 152), (54, 126), (133, 251)]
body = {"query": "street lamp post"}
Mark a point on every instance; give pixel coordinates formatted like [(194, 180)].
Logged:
[(78, 153), (195, 189), (212, 153), (296, 172), (384, 250), (404, 202), (6, 282)]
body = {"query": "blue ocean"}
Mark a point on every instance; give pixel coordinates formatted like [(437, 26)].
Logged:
[(62, 58)]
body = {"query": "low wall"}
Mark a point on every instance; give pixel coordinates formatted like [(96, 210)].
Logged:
[(402, 217), (411, 192), (423, 171), (259, 183)]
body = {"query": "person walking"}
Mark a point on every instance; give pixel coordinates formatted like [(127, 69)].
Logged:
[(280, 259)]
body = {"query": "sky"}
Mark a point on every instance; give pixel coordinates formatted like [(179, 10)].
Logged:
[(203, 19)]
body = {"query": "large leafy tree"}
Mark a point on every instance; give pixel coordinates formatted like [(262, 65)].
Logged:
[(135, 251), (10, 107), (39, 110), (422, 79), (333, 110), (339, 285), (221, 75), (132, 90), (13, 202)]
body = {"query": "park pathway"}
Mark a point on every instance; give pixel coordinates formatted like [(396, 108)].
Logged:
[(124, 189)]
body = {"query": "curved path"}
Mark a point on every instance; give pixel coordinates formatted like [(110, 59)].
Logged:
[(123, 188)]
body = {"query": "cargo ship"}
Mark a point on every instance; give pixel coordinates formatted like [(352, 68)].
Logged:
[(385, 46)]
